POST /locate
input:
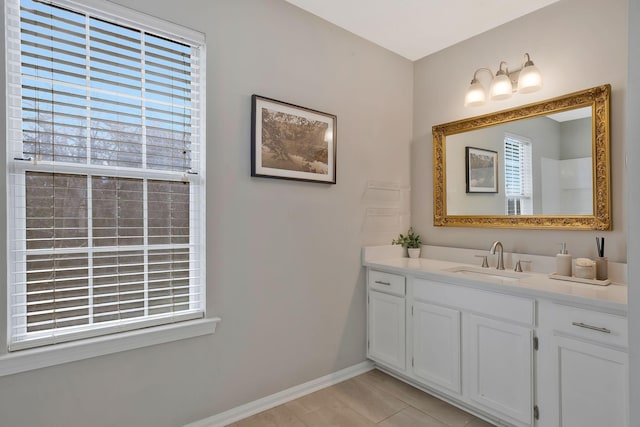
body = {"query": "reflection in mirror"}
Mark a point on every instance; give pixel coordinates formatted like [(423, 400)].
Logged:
[(544, 167), (552, 166)]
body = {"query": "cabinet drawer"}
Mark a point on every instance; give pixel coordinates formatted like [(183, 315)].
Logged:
[(593, 325), (508, 307), (386, 282)]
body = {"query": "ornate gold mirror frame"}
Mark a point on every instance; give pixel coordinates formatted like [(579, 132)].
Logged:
[(598, 98)]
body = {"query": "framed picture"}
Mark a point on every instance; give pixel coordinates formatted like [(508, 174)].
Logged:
[(292, 142), (482, 170)]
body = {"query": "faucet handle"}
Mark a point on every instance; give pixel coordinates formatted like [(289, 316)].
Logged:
[(485, 264), (519, 265)]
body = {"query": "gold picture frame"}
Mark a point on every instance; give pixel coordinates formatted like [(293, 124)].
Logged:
[(598, 98)]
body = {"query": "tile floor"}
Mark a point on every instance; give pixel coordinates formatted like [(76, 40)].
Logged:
[(370, 399)]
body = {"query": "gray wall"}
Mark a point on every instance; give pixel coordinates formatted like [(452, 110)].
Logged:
[(633, 197), (573, 134), (576, 44), (283, 257)]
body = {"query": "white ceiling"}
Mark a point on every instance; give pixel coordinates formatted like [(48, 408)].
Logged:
[(417, 28), (565, 116)]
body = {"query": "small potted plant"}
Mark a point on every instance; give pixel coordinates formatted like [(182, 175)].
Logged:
[(411, 241)]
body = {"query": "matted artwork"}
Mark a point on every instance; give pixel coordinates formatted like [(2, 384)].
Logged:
[(482, 170), (292, 142)]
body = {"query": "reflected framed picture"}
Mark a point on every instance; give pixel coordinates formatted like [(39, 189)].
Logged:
[(482, 170), (292, 142)]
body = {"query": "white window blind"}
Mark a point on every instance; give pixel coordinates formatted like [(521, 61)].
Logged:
[(518, 175), (106, 175)]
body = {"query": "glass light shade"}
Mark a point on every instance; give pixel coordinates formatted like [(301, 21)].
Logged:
[(475, 95), (501, 87), (530, 79)]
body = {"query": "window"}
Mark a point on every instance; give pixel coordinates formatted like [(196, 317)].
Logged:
[(517, 175), (106, 172)]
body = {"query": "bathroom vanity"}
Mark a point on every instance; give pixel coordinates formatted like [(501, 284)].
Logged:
[(518, 349)]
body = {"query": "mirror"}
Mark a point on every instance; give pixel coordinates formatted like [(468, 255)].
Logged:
[(543, 165)]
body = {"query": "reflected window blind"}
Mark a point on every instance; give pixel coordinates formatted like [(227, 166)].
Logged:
[(107, 180), (518, 179)]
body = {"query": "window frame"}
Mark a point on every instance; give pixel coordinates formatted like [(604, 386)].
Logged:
[(120, 340)]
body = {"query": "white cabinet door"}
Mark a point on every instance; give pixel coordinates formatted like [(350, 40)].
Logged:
[(582, 375), (499, 367), (592, 381), (436, 345), (387, 329)]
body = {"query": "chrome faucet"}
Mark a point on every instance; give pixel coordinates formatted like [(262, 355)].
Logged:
[(492, 251)]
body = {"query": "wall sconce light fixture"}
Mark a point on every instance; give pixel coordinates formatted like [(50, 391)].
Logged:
[(528, 79)]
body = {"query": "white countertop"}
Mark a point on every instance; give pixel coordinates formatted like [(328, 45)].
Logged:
[(611, 298)]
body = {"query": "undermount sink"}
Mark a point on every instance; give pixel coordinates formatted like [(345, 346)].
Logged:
[(488, 273)]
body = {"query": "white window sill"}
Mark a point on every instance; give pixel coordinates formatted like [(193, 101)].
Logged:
[(42, 357)]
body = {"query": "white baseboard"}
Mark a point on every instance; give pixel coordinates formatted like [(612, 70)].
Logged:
[(268, 402)]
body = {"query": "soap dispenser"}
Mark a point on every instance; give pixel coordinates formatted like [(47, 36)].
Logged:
[(563, 262)]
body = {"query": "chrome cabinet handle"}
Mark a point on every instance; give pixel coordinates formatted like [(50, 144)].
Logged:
[(594, 328), (383, 283)]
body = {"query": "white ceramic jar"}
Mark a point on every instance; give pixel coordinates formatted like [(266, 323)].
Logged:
[(585, 268)]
